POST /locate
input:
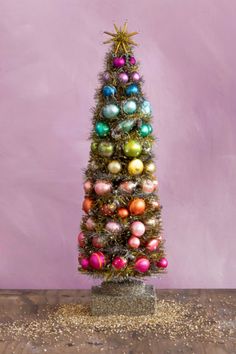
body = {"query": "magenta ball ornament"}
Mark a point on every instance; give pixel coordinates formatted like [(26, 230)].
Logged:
[(102, 187), (90, 224), (137, 228), (113, 227), (142, 265), (88, 186), (162, 263), (97, 260), (132, 60), (81, 239), (119, 263), (123, 78), (118, 62), (84, 262), (152, 244), (135, 76), (134, 242), (106, 76)]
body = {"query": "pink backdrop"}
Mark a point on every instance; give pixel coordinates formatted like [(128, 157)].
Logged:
[(50, 54)]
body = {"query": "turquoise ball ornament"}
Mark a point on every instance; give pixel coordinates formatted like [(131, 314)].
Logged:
[(145, 130), (127, 125), (110, 111), (108, 91), (146, 107), (102, 129), (132, 90), (132, 148), (129, 106)]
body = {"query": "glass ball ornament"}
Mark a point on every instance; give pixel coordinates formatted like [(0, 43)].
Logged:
[(88, 186), (129, 106), (152, 244), (106, 149), (94, 146), (134, 242), (135, 76), (148, 186), (102, 129), (119, 263), (132, 148), (113, 227), (118, 62), (142, 265), (108, 90), (127, 186), (137, 206), (145, 130), (97, 260), (137, 228), (84, 262), (98, 242), (81, 240), (132, 90), (146, 107), (123, 78), (150, 223), (150, 167), (108, 209), (110, 111), (123, 213), (87, 204), (102, 187), (106, 76), (135, 167), (127, 125), (132, 60), (90, 224), (114, 166), (162, 263)]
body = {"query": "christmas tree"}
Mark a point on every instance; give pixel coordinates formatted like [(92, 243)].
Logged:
[(121, 232)]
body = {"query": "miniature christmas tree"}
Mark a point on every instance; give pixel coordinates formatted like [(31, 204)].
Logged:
[(121, 232)]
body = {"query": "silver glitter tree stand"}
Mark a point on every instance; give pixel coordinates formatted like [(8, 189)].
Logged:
[(129, 297)]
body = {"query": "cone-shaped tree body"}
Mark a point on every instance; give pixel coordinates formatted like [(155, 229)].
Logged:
[(121, 229)]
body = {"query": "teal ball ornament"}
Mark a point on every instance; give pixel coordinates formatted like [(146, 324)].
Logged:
[(102, 129), (145, 130), (110, 111), (108, 91), (129, 106), (127, 125), (132, 90), (106, 149), (146, 107), (132, 148)]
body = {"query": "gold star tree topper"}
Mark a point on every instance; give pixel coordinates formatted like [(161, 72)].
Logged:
[(121, 38)]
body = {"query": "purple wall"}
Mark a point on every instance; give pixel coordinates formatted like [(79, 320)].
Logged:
[(50, 54)]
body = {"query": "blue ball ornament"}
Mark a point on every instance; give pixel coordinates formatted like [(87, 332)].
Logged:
[(132, 90), (110, 111), (146, 107), (102, 129), (145, 130), (108, 91), (130, 106)]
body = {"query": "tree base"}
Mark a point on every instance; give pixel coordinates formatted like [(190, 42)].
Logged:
[(129, 297)]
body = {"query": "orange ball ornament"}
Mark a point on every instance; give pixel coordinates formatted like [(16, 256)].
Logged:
[(123, 213), (137, 206), (87, 204)]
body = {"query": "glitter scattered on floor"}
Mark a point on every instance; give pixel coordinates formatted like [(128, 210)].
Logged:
[(172, 320)]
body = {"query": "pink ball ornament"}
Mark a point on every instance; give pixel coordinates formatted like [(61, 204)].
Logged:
[(134, 242), (137, 228), (81, 239), (142, 265), (135, 76), (106, 76), (113, 227), (97, 260), (118, 62), (84, 262), (102, 187), (127, 186), (90, 224), (97, 242), (119, 263), (88, 186), (123, 78), (132, 60), (152, 244), (148, 186), (162, 263)]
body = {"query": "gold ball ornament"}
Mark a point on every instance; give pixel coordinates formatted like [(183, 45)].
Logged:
[(135, 167), (114, 167), (150, 167)]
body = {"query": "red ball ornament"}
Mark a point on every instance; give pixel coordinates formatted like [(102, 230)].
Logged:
[(87, 204), (162, 263), (88, 186), (97, 260), (107, 209), (134, 242), (137, 206), (81, 239), (142, 265), (152, 244), (97, 242), (84, 262), (102, 187), (137, 228), (123, 213), (119, 263)]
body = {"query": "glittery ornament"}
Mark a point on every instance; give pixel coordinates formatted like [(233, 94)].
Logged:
[(108, 209), (146, 107), (137, 228), (150, 167), (113, 227)]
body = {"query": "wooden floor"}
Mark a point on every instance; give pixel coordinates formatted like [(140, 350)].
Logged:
[(15, 303)]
